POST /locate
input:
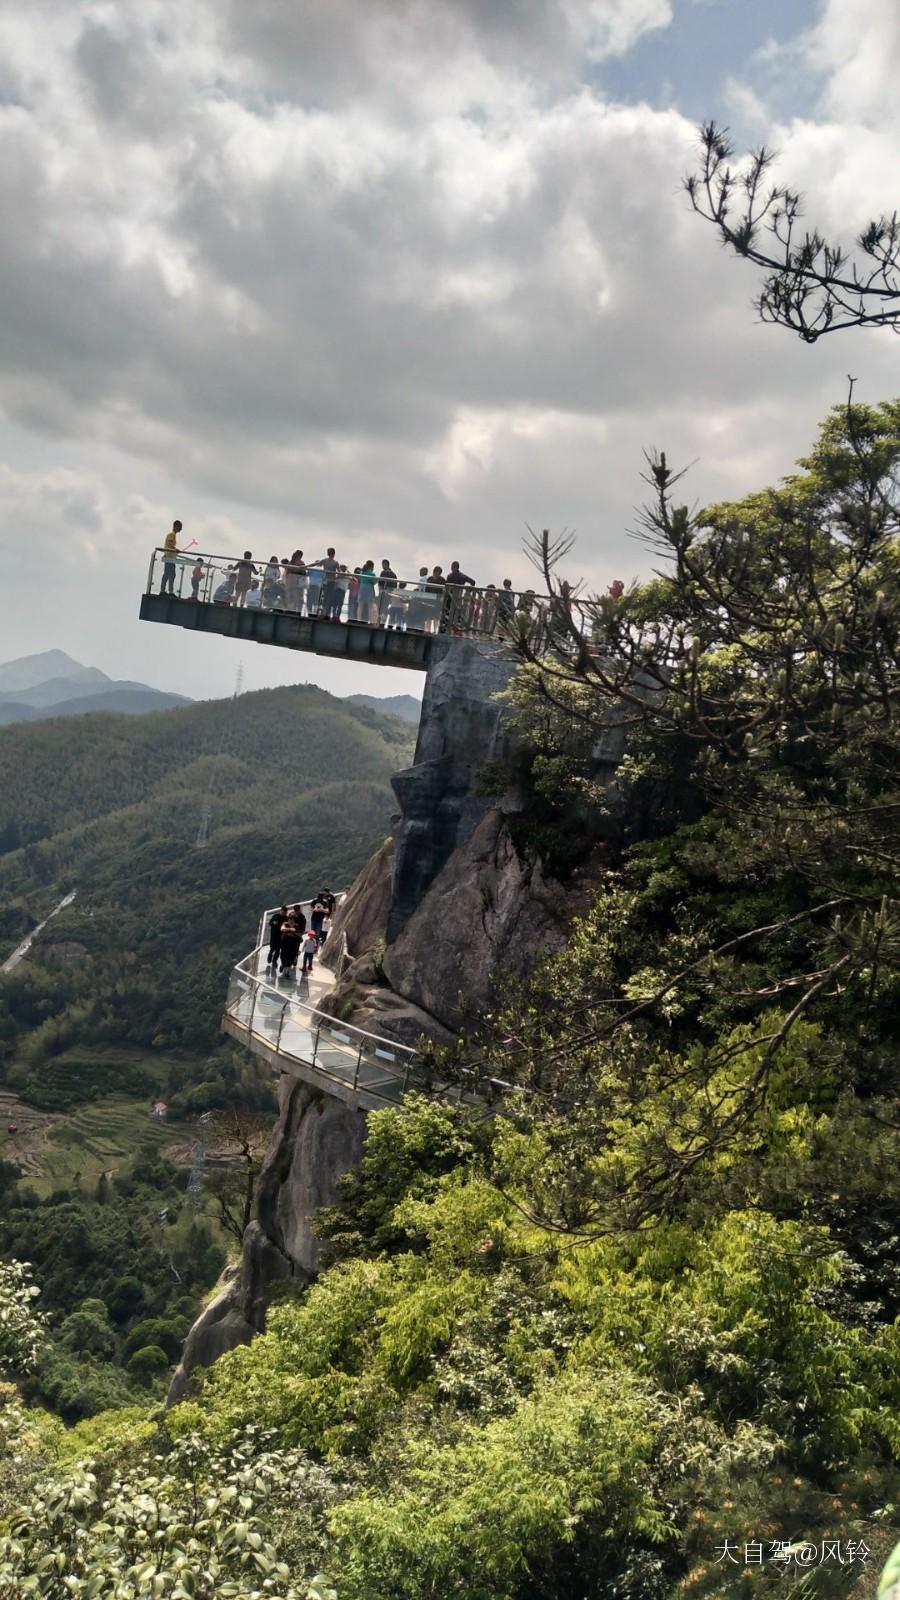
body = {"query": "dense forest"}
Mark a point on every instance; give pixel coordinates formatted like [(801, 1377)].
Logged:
[(637, 1335), (120, 999)]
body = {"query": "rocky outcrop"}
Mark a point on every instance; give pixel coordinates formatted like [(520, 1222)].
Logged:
[(461, 728), (315, 1140), (361, 918), (488, 913)]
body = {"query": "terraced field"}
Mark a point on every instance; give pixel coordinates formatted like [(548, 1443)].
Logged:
[(52, 1146), (96, 1138)]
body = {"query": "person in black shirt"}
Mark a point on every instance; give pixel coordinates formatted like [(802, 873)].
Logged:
[(299, 919), (317, 914), (276, 922), (387, 581), (455, 576), (290, 944)]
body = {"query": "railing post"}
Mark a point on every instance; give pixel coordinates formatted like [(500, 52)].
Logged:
[(405, 1077), (255, 983), (316, 1045), (357, 1067), (284, 1007)]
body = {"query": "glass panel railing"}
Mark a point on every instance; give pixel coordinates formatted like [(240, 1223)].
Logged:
[(413, 605)]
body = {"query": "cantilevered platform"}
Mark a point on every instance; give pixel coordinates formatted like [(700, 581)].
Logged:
[(280, 1019), (383, 647)]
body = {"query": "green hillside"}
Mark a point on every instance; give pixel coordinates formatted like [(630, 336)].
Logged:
[(297, 785), (120, 998)]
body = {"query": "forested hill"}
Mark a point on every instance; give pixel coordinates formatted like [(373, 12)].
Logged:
[(297, 785)]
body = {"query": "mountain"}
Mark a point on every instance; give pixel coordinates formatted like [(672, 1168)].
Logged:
[(405, 706), (27, 671), (296, 785), (131, 700), (52, 684)]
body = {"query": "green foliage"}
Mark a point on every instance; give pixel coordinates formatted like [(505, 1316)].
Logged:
[(22, 1329), (111, 806), (148, 1365), (190, 1524)]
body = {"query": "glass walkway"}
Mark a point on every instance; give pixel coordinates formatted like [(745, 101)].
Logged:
[(280, 1019)]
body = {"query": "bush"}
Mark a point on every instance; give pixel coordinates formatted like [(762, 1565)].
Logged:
[(148, 1364)]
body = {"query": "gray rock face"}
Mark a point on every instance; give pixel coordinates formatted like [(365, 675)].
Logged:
[(362, 916), (487, 913), (461, 728), (315, 1140)]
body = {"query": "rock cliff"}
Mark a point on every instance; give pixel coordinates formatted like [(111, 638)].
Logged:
[(435, 920)]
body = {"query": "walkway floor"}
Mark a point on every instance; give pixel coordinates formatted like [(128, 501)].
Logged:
[(281, 1014)]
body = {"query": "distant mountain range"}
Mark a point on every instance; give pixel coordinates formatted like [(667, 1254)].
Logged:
[(393, 705), (51, 684)]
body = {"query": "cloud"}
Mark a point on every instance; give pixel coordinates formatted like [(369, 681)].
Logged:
[(397, 275)]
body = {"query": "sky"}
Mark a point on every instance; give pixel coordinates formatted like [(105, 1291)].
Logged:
[(404, 277)]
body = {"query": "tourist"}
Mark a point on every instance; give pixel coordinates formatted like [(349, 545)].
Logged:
[(420, 604), (290, 945), (272, 592), (295, 580), (331, 593), (367, 604), (352, 594), (330, 899), (398, 609), (224, 594), (616, 588), (310, 947), (387, 582), (299, 918), (317, 914), (326, 929), (254, 595), (316, 577), (245, 573), (197, 577), (455, 576), (276, 922), (170, 551), (342, 588)]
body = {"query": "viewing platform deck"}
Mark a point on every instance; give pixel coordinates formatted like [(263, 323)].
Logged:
[(393, 622), (281, 1021), (382, 647)]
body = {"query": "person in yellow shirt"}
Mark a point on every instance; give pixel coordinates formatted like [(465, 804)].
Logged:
[(170, 551)]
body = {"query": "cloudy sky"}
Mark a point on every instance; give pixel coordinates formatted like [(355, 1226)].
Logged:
[(396, 275)]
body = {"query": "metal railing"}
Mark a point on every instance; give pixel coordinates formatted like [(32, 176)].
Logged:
[(408, 605), (296, 1030), (353, 1058)]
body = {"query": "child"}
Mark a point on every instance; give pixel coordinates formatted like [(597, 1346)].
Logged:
[(253, 596), (196, 579), (326, 929), (310, 946)]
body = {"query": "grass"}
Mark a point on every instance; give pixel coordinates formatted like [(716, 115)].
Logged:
[(96, 1138), (56, 1141)]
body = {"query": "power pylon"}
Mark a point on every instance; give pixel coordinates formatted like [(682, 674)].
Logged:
[(206, 808)]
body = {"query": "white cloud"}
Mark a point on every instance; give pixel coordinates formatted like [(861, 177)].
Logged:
[(394, 275)]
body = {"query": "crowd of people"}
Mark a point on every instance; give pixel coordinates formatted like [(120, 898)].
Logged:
[(326, 587), (292, 937)]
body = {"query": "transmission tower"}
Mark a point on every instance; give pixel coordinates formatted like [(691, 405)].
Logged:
[(206, 808), (198, 1166)]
